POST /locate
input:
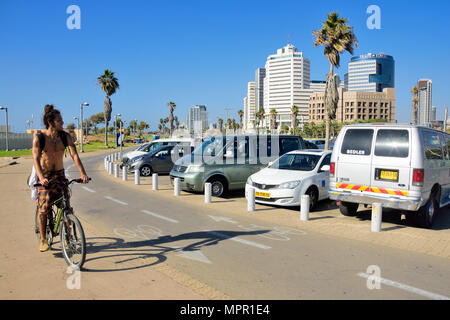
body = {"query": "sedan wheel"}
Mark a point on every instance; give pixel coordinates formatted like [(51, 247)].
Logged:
[(146, 171)]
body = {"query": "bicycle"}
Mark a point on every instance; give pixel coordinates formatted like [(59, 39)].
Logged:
[(73, 241)]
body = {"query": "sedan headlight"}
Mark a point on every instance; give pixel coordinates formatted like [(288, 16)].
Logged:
[(289, 185), (249, 181), (194, 168), (136, 159)]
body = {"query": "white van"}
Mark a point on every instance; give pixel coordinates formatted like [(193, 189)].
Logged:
[(150, 146), (401, 166)]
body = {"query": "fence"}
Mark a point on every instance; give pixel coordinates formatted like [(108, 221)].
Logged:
[(17, 141)]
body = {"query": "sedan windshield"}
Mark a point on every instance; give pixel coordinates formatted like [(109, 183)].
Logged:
[(301, 162)]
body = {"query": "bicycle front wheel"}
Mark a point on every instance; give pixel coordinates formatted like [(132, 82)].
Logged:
[(73, 241)]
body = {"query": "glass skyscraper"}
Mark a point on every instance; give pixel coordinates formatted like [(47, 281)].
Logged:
[(371, 73)]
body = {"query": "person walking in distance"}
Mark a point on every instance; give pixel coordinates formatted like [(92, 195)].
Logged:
[(48, 151)]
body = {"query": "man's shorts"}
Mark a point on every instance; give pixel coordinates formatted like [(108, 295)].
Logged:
[(53, 191)]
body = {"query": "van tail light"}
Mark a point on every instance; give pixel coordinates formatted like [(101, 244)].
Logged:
[(332, 167), (418, 177)]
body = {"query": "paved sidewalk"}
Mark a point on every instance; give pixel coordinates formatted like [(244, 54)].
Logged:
[(327, 219), (26, 273)]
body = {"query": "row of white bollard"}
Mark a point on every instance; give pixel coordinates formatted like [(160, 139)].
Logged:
[(377, 208)]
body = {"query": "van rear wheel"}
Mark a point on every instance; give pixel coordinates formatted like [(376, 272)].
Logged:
[(348, 208), (426, 214)]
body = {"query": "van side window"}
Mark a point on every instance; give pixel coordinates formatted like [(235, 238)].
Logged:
[(448, 147), (432, 145), (392, 143), (288, 144), (357, 142)]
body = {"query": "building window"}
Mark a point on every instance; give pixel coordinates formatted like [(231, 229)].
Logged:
[(370, 104)]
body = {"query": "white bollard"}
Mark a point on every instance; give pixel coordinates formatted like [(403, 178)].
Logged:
[(155, 181), (304, 207), (176, 186), (377, 214), (137, 177), (116, 170), (208, 192), (251, 199), (124, 173), (110, 168)]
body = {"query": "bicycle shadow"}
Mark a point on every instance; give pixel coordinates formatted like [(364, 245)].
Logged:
[(150, 252)]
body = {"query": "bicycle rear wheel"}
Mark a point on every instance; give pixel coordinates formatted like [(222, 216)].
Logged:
[(73, 241)]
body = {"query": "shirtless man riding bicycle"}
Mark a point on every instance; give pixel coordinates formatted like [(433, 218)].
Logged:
[(49, 166)]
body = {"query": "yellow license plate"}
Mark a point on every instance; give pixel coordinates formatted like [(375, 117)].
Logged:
[(389, 175), (262, 194)]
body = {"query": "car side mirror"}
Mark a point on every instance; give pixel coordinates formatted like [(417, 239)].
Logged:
[(325, 167)]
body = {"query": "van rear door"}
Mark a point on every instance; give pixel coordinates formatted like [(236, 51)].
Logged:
[(390, 172), (354, 159)]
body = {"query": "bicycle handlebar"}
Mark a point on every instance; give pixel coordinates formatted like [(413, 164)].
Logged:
[(69, 183)]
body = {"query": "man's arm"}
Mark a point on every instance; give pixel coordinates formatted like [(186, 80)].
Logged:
[(76, 158), (36, 152)]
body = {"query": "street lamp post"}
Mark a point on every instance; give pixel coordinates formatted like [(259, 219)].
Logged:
[(6, 110), (83, 104)]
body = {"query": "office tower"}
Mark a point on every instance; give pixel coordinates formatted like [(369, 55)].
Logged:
[(197, 119), (286, 84), (424, 105), (251, 103), (260, 74), (371, 73), (246, 114), (355, 105), (433, 113)]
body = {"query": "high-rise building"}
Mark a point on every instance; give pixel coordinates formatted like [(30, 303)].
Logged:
[(433, 113), (197, 119), (424, 106), (260, 74), (286, 84), (371, 73), (246, 114), (251, 104)]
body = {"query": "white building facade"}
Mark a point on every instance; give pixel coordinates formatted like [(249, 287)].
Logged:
[(287, 83), (424, 106), (197, 119)]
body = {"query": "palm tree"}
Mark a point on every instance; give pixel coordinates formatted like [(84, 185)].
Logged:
[(273, 118), (241, 115), (220, 123), (415, 100), (229, 123), (177, 123), (294, 113), (233, 125), (259, 117), (172, 106), (336, 36), (109, 84)]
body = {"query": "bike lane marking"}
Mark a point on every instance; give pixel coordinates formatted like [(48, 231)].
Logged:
[(402, 286), (237, 239), (115, 200), (159, 216), (87, 189)]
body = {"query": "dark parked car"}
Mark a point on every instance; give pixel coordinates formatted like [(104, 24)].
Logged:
[(157, 161)]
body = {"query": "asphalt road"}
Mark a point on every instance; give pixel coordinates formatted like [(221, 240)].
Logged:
[(242, 257)]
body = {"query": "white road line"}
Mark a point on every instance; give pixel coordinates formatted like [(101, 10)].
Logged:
[(237, 239), (160, 216), (405, 287), (87, 189), (115, 200)]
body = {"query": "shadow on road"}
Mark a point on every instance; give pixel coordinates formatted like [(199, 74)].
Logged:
[(150, 252)]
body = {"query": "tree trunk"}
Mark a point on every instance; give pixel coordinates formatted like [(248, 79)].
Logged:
[(331, 100)]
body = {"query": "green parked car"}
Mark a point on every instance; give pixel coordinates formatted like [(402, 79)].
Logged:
[(227, 161)]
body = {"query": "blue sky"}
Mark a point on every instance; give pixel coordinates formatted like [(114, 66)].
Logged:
[(196, 52)]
